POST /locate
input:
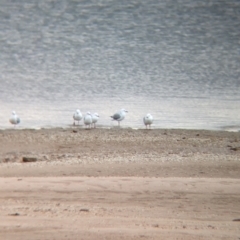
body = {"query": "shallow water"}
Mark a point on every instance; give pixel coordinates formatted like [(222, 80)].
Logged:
[(179, 60)]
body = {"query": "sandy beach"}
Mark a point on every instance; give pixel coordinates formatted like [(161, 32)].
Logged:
[(119, 184)]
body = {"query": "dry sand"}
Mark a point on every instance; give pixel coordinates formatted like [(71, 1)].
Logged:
[(119, 184)]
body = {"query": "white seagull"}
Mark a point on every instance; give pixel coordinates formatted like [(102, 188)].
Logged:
[(88, 119), (77, 116), (95, 118), (119, 116), (14, 119), (148, 120)]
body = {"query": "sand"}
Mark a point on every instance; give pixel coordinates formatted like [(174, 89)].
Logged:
[(119, 184)]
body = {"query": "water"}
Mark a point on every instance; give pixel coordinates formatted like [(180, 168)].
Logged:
[(178, 60)]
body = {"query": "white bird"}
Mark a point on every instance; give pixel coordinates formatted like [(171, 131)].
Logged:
[(77, 116), (95, 118), (14, 119), (148, 120), (88, 119), (119, 116)]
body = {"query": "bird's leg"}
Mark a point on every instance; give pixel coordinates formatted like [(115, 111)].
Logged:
[(73, 123)]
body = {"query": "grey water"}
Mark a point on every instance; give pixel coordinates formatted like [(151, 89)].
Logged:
[(176, 59)]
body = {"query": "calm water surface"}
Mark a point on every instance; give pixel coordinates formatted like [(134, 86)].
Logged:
[(179, 60)]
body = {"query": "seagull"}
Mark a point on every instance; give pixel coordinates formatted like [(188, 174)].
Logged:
[(77, 116), (119, 116), (95, 118), (148, 120), (88, 119), (14, 119)]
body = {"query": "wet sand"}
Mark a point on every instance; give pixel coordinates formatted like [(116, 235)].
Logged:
[(119, 183)]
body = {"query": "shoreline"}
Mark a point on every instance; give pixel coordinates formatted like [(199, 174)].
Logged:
[(116, 151), (225, 128), (81, 127)]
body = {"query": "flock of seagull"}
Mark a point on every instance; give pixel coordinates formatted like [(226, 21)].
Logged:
[(90, 119)]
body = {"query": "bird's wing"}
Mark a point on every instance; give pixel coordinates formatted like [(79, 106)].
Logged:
[(116, 116)]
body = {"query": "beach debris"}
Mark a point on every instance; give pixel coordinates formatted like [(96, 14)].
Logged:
[(10, 159), (236, 220), (46, 157), (233, 148), (210, 226), (29, 159), (6, 160), (84, 210), (14, 214)]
